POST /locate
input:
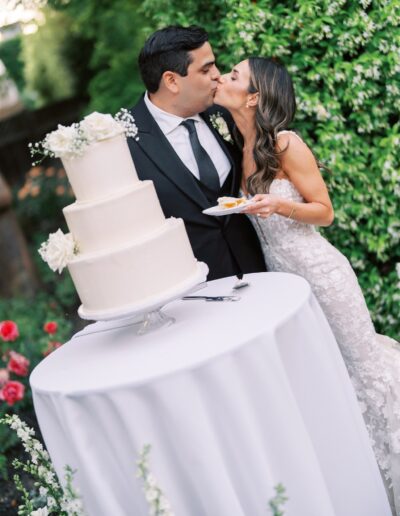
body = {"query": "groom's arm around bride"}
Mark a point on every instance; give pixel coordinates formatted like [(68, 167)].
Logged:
[(190, 163)]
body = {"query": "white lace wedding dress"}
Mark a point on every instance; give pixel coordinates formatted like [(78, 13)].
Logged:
[(372, 360)]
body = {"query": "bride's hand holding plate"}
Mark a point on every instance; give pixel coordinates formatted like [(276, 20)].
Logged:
[(263, 205)]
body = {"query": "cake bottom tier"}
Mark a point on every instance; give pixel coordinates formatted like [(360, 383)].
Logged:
[(137, 272)]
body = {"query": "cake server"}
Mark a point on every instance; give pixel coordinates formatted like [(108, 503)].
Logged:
[(211, 298)]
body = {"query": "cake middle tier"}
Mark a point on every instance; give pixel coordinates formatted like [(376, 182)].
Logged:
[(111, 222), (137, 272)]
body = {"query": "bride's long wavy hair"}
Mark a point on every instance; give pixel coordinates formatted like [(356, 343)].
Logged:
[(275, 111)]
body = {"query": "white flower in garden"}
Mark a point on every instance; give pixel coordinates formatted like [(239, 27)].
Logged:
[(73, 506), (99, 126), (51, 502), (34, 457), (42, 471), (221, 126), (44, 474), (43, 491), (43, 511), (58, 251), (151, 494), (158, 503), (23, 434), (322, 113), (164, 504), (151, 481)]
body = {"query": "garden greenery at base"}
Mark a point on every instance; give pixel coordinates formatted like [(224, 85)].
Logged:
[(344, 58)]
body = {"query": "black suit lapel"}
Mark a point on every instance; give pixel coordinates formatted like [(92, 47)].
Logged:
[(234, 159), (158, 149), (228, 149)]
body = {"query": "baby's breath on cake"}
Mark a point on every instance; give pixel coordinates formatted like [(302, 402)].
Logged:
[(125, 118), (72, 141)]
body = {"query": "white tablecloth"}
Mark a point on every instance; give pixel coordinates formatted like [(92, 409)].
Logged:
[(234, 398)]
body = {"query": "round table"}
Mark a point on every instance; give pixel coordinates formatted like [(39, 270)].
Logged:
[(234, 398)]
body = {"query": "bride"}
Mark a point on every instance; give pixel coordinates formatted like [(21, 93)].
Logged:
[(291, 198)]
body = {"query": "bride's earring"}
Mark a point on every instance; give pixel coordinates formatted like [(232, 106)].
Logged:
[(247, 104)]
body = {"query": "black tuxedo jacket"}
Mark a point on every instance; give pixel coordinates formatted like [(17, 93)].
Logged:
[(228, 245)]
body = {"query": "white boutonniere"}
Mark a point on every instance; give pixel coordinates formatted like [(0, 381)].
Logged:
[(221, 126)]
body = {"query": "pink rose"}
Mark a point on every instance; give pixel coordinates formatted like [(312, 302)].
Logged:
[(4, 376), (50, 327), (11, 392), (18, 364), (8, 330)]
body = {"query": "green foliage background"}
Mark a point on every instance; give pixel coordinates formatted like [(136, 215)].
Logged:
[(114, 33), (10, 54), (344, 57)]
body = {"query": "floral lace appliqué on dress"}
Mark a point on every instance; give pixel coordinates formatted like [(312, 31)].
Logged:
[(373, 361)]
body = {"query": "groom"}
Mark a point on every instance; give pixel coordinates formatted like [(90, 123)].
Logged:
[(190, 163)]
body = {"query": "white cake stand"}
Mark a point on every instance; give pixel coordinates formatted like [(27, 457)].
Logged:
[(150, 314)]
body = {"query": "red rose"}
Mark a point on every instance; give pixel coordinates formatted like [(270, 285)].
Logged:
[(4, 376), (18, 364), (50, 327), (12, 392), (8, 330)]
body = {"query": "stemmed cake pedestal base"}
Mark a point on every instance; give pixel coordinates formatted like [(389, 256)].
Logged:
[(149, 314)]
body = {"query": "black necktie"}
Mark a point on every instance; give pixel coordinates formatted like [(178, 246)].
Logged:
[(208, 173)]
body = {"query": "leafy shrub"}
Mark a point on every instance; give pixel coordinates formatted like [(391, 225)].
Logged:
[(39, 203), (10, 54), (33, 343), (49, 74), (114, 32)]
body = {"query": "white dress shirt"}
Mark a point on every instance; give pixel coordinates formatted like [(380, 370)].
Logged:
[(178, 137)]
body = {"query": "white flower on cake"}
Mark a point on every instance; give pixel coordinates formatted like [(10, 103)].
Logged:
[(73, 141), (61, 143), (62, 140), (219, 123), (58, 251), (98, 126)]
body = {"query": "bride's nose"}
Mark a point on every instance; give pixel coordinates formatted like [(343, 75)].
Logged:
[(222, 79)]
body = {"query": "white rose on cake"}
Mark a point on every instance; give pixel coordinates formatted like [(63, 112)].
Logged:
[(99, 126), (58, 251), (62, 142)]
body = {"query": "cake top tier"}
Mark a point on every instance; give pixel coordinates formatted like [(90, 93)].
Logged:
[(72, 141), (95, 154)]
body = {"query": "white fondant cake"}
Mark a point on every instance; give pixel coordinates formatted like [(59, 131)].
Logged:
[(128, 253)]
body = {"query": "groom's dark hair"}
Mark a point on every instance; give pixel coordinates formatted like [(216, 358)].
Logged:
[(168, 50)]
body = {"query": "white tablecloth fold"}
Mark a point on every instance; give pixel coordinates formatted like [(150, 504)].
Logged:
[(233, 398)]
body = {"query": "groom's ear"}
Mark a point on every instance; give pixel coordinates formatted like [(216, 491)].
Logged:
[(170, 82)]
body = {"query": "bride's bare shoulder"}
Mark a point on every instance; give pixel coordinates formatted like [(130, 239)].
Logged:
[(286, 137), (296, 155)]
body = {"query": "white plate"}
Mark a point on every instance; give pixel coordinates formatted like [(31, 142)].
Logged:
[(216, 211)]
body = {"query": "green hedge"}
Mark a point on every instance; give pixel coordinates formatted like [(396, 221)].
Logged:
[(10, 54), (114, 35), (344, 57)]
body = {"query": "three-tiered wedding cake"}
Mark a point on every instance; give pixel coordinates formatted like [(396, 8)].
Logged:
[(126, 253)]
